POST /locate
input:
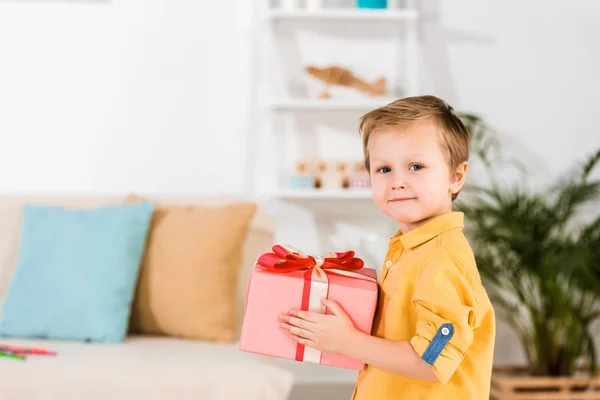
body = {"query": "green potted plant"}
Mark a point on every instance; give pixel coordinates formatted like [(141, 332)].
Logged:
[(538, 252)]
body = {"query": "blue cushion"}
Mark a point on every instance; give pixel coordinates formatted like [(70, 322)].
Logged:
[(76, 273)]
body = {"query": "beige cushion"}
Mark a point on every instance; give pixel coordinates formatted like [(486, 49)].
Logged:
[(189, 276)]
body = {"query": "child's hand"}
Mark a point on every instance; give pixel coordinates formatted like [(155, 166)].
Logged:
[(330, 333)]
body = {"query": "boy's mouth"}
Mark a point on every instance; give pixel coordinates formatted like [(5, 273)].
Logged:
[(401, 199)]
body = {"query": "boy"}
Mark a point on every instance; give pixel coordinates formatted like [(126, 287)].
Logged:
[(434, 328)]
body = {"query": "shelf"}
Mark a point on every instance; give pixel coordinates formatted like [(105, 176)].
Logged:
[(345, 105), (331, 105), (309, 194), (353, 14)]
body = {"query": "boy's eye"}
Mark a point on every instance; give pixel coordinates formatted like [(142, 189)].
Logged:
[(415, 167), (384, 170)]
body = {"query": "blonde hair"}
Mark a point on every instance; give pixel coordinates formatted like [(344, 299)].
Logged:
[(454, 137)]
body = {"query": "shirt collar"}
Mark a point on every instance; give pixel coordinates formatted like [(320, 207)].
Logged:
[(429, 229)]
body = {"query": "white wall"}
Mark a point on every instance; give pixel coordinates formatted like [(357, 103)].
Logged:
[(530, 68), (111, 96), (87, 87), (152, 96)]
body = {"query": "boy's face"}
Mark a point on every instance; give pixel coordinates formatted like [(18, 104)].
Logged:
[(410, 178)]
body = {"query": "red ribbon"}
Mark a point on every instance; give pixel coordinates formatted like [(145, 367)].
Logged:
[(287, 259)]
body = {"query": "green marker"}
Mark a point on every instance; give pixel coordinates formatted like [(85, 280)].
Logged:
[(11, 355)]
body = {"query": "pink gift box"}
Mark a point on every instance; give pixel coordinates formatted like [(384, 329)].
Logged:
[(272, 293)]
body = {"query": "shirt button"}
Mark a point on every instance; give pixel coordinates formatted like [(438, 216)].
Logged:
[(388, 263), (445, 331)]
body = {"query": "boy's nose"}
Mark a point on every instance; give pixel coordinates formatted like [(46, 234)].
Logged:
[(399, 182)]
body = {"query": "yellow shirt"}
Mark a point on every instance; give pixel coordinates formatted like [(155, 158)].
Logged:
[(431, 295)]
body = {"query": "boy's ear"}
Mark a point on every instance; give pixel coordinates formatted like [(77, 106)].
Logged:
[(458, 179)]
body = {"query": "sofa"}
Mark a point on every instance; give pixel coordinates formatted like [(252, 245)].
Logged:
[(164, 357)]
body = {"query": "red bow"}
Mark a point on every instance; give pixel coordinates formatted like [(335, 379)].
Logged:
[(288, 259)]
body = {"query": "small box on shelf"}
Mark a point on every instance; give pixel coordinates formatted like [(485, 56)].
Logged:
[(359, 179), (302, 177), (322, 175), (332, 176), (343, 170)]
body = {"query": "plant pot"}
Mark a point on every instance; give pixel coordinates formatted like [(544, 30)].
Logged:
[(372, 3), (515, 383)]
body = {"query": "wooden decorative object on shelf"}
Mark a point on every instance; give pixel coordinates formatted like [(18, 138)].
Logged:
[(320, 178), (514, 383), (359, 178), (342, 170), (336, 176), (302, 178), (336, 75)]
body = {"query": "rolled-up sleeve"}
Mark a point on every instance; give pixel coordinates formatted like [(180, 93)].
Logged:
[(445, 314)]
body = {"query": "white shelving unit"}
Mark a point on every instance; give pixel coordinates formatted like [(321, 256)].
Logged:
[(268, 19)]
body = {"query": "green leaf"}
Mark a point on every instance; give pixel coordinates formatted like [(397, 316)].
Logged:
[(590, 164)]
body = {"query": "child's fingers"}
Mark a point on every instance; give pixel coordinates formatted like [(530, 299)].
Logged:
[(333, 306), (307, 315), (300, 323), (304, 341), (299, 332)]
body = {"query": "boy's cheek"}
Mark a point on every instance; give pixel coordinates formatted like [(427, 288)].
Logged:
[(379, 194), (434, 189), (379, 198), (378, 183)]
